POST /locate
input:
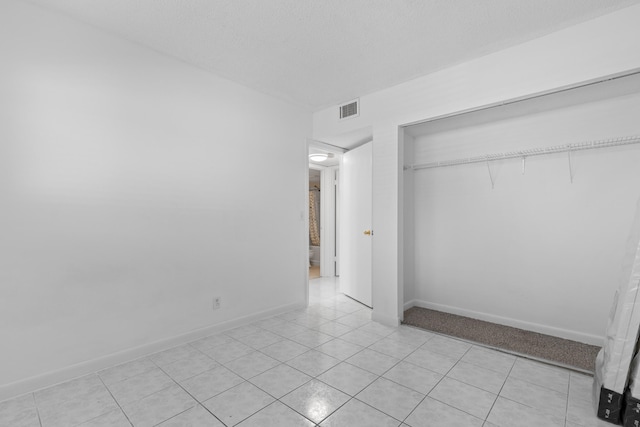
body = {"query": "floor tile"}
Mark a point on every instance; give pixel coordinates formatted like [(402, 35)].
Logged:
[(535, 396), (158, 407), (95, 402), (464, 397), (19, 412), (260, 339), (115, 418), (211, 383), (361, 338), (280, 380), (540, 374), (243, 331), (412, 376), (339, 349), (126, 370), (315, 400), (140, 386), (348, 306), (211, 341), (373, 361), (312, 338), (447, 346), (194, 417), (394, 348), (432, 361), (288, 329), (593, 422), (357, 414), (507, 413), (353, 320), (25, 418), (226, 352), (252, 364), (583, 412), (269, 322), (291, 315), (190, 366), (580, 387), (378, 329), (313, 362), (334, 329), (17, 404), (364, 312), (348, 378), (285, 350), (310, 321), (276, 415), (411, 335), (431, 413), (391, 398), (238, 403), (489, 359), (477, 376), (329, 313), (174, 354), (52, 397)]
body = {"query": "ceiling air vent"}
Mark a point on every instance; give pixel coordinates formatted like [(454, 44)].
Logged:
[(350, 109)]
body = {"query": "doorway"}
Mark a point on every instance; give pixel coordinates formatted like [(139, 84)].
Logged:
[(315, 222), (323, 220), (328, 209)]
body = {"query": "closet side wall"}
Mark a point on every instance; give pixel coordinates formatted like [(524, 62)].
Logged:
[(537, 251)]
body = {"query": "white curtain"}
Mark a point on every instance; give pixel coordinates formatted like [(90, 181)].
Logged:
[(314, 218)]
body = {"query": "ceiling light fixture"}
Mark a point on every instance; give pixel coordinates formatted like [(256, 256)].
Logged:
[(318, 157)]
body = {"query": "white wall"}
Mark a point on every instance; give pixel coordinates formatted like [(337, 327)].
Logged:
[(537, 252), (128, 199), (588, 51)]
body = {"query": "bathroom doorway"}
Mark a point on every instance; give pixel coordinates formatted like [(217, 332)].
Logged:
[(315, 221), (323, 218)]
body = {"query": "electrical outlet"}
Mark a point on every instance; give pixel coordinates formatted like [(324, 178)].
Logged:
[(216, 302)]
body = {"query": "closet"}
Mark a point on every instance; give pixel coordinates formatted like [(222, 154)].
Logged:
[(519, 213)]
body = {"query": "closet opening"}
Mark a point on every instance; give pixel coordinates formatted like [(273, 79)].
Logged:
[(518, 214)]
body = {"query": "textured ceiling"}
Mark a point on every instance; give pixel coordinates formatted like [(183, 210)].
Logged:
[(319, 53)]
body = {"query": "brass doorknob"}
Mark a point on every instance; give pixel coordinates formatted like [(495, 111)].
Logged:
[(367, 232)]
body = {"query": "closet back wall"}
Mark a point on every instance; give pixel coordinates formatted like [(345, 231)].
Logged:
[(536, 252)]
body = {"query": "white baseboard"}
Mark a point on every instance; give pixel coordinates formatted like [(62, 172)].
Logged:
[(521, 324), (49, 379), (409, 304)]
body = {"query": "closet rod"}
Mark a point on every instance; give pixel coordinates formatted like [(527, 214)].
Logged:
[(523, 154)]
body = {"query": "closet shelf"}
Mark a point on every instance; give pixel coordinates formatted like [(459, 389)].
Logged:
[(523, 154)]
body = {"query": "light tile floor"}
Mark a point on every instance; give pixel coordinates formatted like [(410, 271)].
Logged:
[(327, 365)]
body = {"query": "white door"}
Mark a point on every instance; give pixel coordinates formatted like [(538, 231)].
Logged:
[(355, 224)]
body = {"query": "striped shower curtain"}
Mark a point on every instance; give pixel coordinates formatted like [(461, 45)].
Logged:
[(314, 217)]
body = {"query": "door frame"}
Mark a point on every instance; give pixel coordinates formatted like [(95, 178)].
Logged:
[(328, 229)]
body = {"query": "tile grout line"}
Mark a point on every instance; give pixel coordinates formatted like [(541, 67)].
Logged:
[(436, 385), (33, 396), (183, 389), (500, 391), (114, 399)]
